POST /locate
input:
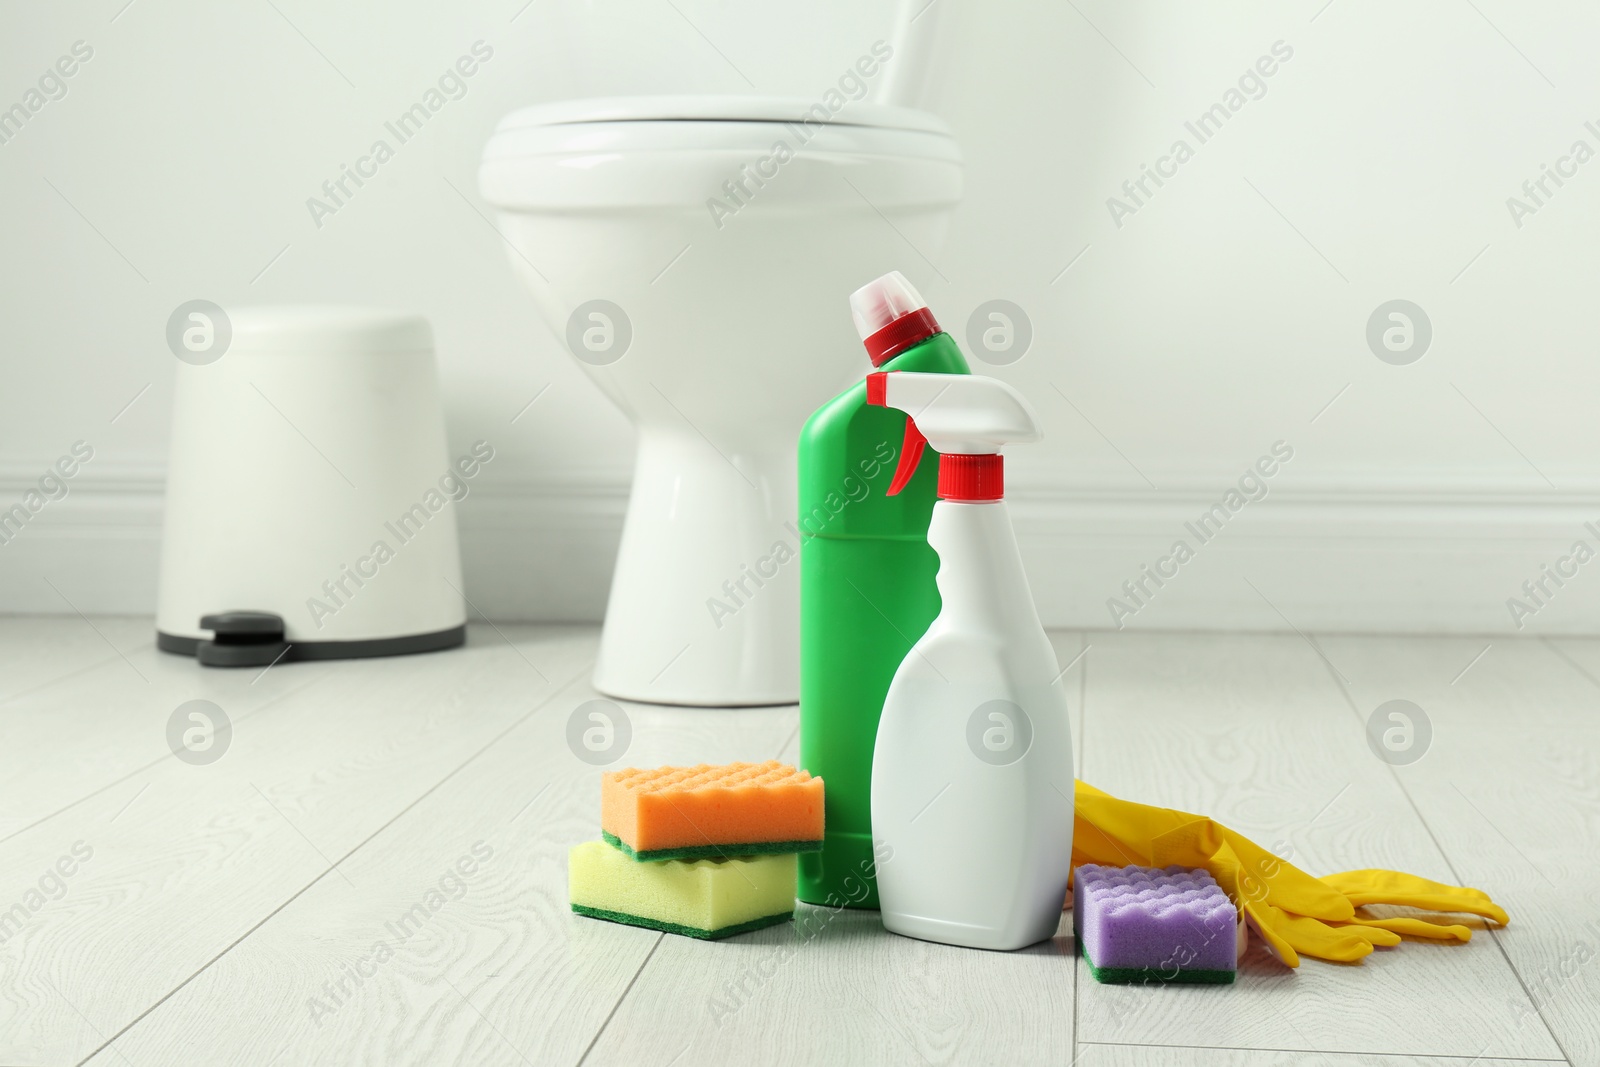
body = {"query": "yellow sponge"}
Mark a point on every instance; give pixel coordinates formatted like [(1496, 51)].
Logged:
[(704, 898)]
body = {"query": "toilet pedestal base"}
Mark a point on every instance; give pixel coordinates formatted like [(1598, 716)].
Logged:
[(705, 600)]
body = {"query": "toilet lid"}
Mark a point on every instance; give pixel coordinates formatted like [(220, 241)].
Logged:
[(718, 109)]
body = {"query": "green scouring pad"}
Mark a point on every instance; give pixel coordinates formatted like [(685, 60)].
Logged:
[(1154, 976), (713, 852)]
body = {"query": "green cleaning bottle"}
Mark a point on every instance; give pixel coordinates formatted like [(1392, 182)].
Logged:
[(867, 591)]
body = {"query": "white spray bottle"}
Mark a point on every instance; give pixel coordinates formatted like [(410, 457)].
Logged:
[(972, 775)]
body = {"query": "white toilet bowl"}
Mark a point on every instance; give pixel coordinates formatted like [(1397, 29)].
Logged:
[(729, 231)]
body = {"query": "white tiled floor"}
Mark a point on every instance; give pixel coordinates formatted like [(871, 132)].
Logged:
[(253, 910)]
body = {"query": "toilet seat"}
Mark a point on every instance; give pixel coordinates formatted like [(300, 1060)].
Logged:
[(714, 109), (619, 151)]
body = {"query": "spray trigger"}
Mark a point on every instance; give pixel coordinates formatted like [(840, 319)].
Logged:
[(911, 448), (910, 456)]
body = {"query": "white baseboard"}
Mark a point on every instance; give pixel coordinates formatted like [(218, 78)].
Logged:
[(1350, 560), (531, 553), (1387, 558)]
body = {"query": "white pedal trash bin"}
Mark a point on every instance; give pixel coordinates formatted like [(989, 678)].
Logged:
[(311, 498)]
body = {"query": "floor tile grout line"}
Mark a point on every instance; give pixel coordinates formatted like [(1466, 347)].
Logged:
[(1083, 731), (1480, 1058), (790, 739), (1245, 631), (540, 706), (595, 1040), (9, 697), (264, 706), (1490, 930), (1394, 775), (556, 629), (1562, 654)]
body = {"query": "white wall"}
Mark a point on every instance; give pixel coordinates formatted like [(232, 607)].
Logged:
[(1223, 315)]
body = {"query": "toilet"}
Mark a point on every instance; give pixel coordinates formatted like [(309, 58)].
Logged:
[(696, 254)]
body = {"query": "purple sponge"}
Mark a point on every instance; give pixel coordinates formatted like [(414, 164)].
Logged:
[(1145, 924)]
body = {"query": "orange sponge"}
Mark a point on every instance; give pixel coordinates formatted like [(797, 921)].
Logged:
[(738, 809)]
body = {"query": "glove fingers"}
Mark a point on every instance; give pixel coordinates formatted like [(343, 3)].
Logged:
[(1396, 887), (1290, 936), (1375, 880), (1342, 944), (1485, 909), (1372, 933), (1410, 926)]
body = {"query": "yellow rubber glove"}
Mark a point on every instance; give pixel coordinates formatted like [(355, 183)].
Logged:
[(1290, 910)]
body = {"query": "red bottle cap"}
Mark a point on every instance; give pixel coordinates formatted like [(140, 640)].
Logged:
[(890, 316), (912, 328)]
